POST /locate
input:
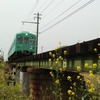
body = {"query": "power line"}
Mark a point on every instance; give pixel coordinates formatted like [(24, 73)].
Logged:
[(54, 8), (30, 13), (42, 5), (33, 8), (47, 6), (62, 13), (83, 6)]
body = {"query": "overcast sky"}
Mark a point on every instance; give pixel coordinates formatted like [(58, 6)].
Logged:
[(60, 21)]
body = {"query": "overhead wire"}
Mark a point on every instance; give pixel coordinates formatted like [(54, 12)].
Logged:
[(83, 6), (53, 8), (33, 8), (42, 5), (30, 13), (47, 6), (61, 13)]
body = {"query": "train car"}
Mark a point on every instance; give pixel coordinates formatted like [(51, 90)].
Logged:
[(23, 44)]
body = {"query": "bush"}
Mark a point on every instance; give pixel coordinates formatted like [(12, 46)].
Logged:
[(9, 92)]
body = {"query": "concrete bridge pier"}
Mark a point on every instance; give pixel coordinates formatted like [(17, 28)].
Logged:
[(24, 80), (42, 84)]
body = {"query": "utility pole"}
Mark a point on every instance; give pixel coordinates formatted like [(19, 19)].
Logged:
[(37, 31)]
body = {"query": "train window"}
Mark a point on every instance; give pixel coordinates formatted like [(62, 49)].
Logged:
[(19, 39), (26, 40)]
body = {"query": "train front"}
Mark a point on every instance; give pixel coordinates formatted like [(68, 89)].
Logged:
[(26, 43)]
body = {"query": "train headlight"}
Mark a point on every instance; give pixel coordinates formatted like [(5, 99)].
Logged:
[(26, 34)]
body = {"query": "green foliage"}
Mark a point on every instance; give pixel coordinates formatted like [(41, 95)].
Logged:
[(9, 92), (1, 64)]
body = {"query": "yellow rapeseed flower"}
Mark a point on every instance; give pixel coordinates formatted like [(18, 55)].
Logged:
[(60, 58), (91, 74), (78, 77), (69, 92), (73, 93), (50, 53), (91, 90), (61, 94), (51, 73), (98, 44), (90, 71), (94, 65), (95, 49), (56, 62), (57, 81), (78, 68), (51, 67), (74, 83), (92, 85), (57, 59), (49, 60), (88, 81), (71, 87), (65, 52), (56, 48), (99, 56), (61, 69), (69, 98), (69, 78), (53, 55), (86, 65)]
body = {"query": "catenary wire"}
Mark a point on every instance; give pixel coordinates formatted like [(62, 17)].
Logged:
[(47, 6), (41, 5), (83, 6), (61, 14), (32, 10), (30, 13), (53, 8)]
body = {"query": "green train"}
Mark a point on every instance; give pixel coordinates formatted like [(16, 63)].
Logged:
[(23, 44)]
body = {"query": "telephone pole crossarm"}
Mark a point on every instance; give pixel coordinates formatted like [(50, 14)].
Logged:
[(29, 22)]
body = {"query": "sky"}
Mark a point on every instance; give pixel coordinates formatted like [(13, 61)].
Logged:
[(64, 21)]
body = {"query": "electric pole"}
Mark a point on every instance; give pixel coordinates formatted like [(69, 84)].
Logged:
[(37, 31)]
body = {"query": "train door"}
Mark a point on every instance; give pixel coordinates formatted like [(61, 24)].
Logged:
[(26, 44)]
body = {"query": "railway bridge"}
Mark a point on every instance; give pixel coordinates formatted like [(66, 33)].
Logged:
[(34, 70)]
